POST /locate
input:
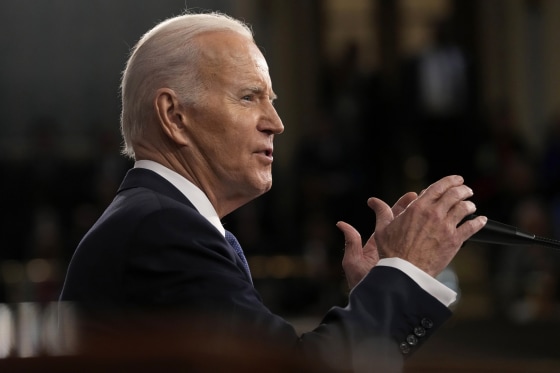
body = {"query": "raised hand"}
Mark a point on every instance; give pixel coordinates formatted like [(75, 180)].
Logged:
[(420, 229)]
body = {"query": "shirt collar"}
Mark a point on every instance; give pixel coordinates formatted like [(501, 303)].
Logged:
[(191, 191)]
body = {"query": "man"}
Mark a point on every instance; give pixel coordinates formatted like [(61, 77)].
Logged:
[(198, 118)]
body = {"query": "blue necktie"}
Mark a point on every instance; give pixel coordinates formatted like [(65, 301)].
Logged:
[(230, 238)]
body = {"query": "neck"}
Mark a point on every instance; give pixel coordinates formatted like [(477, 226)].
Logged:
[(217, 195)]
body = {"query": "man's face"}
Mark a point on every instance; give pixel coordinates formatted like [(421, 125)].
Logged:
[(232, 129)]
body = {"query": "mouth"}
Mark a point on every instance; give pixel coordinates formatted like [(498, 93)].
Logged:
[(267, 153)]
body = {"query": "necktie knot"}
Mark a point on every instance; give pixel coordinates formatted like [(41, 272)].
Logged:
[(230, 238)]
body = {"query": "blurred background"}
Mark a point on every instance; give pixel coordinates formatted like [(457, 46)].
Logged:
[(378, 97)]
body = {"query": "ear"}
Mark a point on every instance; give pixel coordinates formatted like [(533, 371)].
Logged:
[(171, 116)]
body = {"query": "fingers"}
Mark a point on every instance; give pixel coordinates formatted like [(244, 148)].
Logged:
[(403, 202), (440, 187), (450, 195), (461, 209), (455, 198), (421, 229), (458, 213), (470, 227)]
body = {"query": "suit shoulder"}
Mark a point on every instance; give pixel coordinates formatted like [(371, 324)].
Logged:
[(142, 201)]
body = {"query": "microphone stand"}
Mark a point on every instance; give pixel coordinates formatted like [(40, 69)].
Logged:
[(502, 234)]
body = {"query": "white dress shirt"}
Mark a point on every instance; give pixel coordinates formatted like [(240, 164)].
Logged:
[(204, 206)]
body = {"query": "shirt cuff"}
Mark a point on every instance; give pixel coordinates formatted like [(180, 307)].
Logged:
[(424, 280)]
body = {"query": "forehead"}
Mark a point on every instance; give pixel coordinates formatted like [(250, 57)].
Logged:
[(230, 54)]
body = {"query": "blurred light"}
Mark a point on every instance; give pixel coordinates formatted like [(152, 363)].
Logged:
[(59, 329), (281, 266), (278, 266), (6, 331), (27, 329), (449, 278), (39, 270)]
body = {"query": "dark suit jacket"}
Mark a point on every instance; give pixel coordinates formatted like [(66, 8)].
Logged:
[(152, 250)]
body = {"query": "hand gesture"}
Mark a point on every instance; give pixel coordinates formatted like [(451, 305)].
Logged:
[(420, 229)]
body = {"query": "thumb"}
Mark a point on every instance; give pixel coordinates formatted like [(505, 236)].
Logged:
[(352, 242), (383, 213)]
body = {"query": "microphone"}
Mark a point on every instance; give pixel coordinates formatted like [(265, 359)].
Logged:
[(502, 234)]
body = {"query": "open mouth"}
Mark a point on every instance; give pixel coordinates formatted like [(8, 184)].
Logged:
[(267, 153)]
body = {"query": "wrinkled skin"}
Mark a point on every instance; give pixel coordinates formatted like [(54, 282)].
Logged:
[(421, 229)]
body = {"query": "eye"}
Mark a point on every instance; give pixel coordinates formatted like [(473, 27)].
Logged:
[(248, 98)]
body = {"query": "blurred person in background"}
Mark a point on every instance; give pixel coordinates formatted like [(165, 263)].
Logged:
[(198, 120)]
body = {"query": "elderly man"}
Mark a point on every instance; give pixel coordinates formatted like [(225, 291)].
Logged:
[(199, 121)]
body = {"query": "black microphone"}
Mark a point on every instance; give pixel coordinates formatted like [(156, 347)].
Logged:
[(502, 234)]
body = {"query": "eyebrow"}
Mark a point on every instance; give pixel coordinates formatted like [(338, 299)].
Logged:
[(259, 90)]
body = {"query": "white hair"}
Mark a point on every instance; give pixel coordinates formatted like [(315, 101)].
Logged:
[(166, 56)]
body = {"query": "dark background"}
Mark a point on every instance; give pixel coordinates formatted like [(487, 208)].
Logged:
[(352, 77)]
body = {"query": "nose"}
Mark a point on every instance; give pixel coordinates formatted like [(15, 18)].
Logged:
[(271, 122)]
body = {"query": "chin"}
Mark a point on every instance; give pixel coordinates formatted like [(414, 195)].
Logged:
[(265, 183), (265, 188), (268, 185)]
